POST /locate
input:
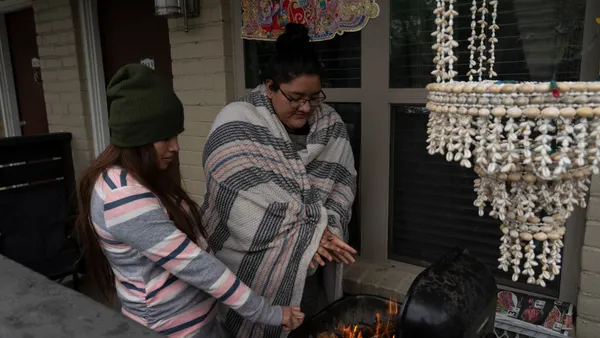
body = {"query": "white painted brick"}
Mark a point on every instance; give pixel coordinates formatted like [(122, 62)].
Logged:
[(593, 208), (585, 328), (191, 158), (202, 113), (588, 306), (194, 173), (211, 32), (202, 97), (43, 27), (595, 187), (69, 61), (195, 66), (188, 82), (54, 14), (62, 25), (68, 74), (192, 143), (194, 187), (70, 97), (75, 108), (197, 128), (592, 233), (590, 284), (590, 259), (50, 64), (197, 50)]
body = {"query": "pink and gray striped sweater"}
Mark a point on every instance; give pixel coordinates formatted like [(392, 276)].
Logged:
[(164, 280)]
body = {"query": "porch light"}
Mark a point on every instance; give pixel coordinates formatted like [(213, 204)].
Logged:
[(177, 8)]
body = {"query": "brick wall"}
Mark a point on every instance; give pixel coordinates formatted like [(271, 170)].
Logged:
[(64, 83), (203, 80), (588, 304)]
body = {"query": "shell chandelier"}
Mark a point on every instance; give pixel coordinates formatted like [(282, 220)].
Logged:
[(534, 145)]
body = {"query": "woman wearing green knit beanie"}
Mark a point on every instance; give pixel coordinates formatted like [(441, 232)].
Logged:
[(141, 231)]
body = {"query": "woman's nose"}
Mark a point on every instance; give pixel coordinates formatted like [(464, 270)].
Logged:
[(174, 145)]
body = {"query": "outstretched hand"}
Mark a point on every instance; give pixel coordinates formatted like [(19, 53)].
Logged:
[(333, 248), (292, 318)]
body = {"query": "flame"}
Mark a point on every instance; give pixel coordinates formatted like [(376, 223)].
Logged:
[(382, 329)]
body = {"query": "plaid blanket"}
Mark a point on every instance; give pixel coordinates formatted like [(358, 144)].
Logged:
[(267, 205)]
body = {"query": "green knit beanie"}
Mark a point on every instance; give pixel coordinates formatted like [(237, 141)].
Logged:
[(143, 108)]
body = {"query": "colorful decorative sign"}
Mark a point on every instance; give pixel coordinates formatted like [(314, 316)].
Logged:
[(266, 19)]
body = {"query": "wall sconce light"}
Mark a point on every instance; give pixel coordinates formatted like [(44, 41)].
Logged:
[(177, 8)]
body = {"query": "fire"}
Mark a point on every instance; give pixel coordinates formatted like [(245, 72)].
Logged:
[(382, 329)]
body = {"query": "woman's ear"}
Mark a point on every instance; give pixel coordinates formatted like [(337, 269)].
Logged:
[(270, 86)]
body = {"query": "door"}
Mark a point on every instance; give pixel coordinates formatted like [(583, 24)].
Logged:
[(20, 28), (130, 33)]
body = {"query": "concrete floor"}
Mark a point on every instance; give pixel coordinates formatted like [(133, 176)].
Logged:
[(89, 288)]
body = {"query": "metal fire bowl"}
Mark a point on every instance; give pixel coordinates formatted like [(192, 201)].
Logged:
[(354, 309)]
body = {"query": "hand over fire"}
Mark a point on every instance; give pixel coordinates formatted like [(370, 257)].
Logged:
[(333, 248), (292, 318)]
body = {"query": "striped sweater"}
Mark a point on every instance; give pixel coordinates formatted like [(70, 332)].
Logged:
[(164, 280)]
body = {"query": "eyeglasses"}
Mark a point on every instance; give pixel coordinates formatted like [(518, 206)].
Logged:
[(313, 101)]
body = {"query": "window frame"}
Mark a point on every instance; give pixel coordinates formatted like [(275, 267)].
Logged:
[(376, 99)]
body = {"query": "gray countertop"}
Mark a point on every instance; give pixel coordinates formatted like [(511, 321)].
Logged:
[(32, 306)]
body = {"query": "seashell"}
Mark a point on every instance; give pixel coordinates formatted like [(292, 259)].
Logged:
[(553, 236), (533, 219), (514, 112), (531, 113), (471, 99), (567, 99), (526, 236), (568, 112), (510, 215), (496, 101), (548, 220), (504, 229), (502, 176), (546, 228), (597, 111), (529, 178), (534, 228), (508, 88), (585, 112), (462, 99), (537, 100), (564, 86), (550, 112), (462, 110), (515, 277), (452, 110), (514, 234), (493, 89), (445, 109), (499, 111), (473, 111), (468, 89), (531, 280), (484, 112), (540, 236), (526, 88), (579, 87), (542, 87), (593, 86), (561, 231), (581, 99), (484, 101), (522, 101), (521, 219), (458, 89), (480, 88), (508, 101), (514, 177), (453, 99)]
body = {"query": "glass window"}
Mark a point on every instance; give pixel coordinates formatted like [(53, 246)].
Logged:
[(340, 56), (350, 113), (537, 40), (432, 208)]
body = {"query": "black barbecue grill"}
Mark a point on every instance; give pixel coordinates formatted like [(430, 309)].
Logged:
[(453, 298)]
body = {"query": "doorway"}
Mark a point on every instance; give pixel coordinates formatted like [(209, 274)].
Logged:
[(22, 40), (130, 33)]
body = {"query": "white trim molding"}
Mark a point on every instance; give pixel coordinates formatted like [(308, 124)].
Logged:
[(8, 96), (7, 6), (94, 69)]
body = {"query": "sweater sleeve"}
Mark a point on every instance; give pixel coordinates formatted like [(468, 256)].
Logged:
[(134, 215)]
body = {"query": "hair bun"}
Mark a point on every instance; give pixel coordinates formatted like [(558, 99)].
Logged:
[(295, 35)]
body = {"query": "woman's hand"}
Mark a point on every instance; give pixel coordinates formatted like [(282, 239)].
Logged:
[(333, 248), (292, 317)]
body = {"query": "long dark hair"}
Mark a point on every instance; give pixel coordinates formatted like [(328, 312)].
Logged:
[(294, 56), (142, 164)]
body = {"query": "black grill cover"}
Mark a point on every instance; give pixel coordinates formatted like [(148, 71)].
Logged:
[(453, 298)]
